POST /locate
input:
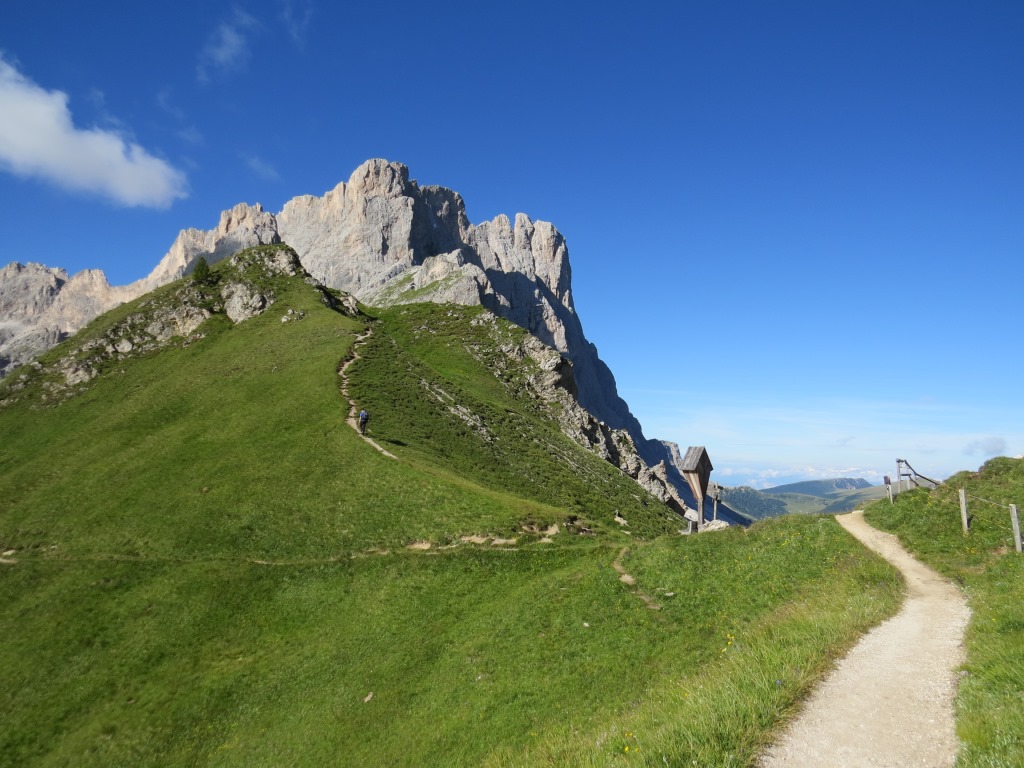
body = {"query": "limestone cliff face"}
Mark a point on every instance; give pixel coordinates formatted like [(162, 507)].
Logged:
[(380, 237), (363, 234), (41, 306)]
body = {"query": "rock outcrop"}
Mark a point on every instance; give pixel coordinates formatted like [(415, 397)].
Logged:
[(380, 237)]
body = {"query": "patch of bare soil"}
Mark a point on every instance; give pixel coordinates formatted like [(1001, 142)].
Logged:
[(890, 701), (630, 580)]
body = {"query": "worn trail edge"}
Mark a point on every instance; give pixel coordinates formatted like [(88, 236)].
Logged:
[(890, 701), (353, 409)]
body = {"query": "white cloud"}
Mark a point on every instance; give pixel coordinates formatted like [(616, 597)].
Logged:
[(38, 139), (227, 49)]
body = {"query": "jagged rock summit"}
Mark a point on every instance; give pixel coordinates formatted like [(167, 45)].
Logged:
[(381, 237)]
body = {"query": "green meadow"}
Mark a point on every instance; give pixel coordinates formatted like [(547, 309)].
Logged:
[(202, 564)]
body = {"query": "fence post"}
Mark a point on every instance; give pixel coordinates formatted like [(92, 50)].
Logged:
[(1015, 520), (963, 511)]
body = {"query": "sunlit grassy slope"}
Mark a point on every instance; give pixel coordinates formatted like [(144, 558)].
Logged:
[(990, 704), (203, 565)]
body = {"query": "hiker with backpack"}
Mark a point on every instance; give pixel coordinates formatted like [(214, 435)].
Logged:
[(363, 418)]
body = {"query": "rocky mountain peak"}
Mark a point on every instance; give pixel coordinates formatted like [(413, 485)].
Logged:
[(380, 177)]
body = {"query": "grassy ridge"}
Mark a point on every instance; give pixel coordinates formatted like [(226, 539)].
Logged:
[(209, 568), (990, 718), (235, 445)]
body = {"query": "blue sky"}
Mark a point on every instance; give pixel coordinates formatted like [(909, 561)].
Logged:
[(796, 228)]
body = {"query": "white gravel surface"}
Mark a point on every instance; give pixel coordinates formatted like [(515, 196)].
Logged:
[(890, 701)]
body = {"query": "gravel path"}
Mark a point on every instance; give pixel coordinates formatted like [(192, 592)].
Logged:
[(890, 701)]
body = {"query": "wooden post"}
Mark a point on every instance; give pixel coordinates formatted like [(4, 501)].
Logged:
[(1015, 520), (963, 511), (696, 469)]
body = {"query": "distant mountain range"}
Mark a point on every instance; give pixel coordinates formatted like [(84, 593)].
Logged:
[(832, 496), (822, 488)]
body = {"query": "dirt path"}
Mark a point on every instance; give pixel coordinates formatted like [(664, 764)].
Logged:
[(353, 409), (890, 701), (630, 581)]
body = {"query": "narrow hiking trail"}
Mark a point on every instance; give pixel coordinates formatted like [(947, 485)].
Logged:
[(630, 581), (889, 702), (353, 409)]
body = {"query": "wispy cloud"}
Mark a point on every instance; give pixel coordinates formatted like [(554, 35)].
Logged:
[(228, 47), (191, 134), (761, 477), (986, 446), (99, 102), (165, 101), (38, 139), (261, 168), (186, 131), (297, 15)]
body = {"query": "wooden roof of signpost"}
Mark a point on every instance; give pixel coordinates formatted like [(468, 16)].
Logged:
[(696, 468)]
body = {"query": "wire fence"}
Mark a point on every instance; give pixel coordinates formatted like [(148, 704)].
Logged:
[(905, 471), (967, 519)]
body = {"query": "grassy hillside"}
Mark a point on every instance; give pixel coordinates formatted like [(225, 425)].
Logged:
[(827, 497), (854, 498), (990, 718), (201, 564), (823, 488), (752, 503)]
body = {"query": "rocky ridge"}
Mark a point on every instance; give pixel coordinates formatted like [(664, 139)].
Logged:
[(553, 383), (382, 238)]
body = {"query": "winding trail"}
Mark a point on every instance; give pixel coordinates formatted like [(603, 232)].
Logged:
[(890, 701), (353, 409)]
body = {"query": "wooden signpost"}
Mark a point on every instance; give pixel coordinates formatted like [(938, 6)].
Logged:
[(696, 468)]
